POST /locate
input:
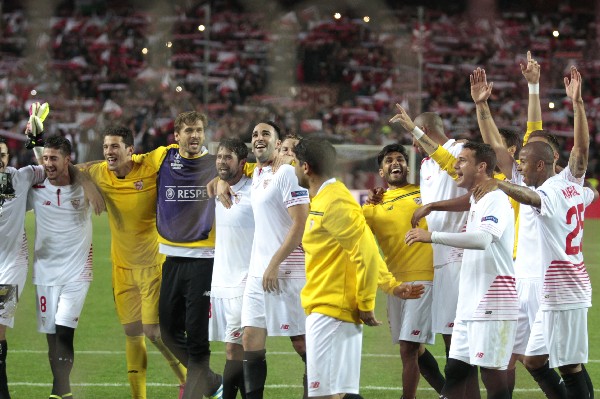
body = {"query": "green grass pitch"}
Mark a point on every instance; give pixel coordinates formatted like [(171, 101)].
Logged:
[(99, 370)]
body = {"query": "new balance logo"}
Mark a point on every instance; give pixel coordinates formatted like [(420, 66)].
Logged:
[(479, 355), (284, 327), (46, 203), (315, 385), (450, 325), (206, 293), (415, 332)]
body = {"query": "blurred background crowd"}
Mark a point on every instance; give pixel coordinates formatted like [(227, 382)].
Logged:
[(334, 70)]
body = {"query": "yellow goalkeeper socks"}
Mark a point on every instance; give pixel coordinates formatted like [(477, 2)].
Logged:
[(137, 363)]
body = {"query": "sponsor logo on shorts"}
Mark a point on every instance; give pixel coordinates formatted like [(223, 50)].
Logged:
[(450, 325), (488, 312), (206, 293), (236, 334), (315, 385), (479, 355), (284, 327), (46, 203), (415, 332)]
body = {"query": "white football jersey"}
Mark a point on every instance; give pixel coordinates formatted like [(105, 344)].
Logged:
[(438, 185), (233, 243), (487, 288), (12, 218), (272, 194), (560, 222), (527, 262), (63, 234)]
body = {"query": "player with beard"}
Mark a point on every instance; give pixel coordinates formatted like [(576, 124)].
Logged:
[(62, 265), (233, 248), (184, 219), (410, 321)]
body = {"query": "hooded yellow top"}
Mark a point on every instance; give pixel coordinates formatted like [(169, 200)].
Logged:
[(343, 264)]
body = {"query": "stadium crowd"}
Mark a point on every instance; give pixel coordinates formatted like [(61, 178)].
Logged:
[(308, 70)]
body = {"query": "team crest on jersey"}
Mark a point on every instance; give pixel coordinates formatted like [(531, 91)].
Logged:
[(266, 183), (311, 224), (390, 208), (138, 185), (417, 200), (76, 203), (237, 198)]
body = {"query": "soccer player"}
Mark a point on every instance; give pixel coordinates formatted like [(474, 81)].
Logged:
[(566, 293), (342, 272), (130, 192), (485, 326), (410, 321), (530, 335), (271, 304), (184, 220), (233, 248), (13, 246), (62, 265)]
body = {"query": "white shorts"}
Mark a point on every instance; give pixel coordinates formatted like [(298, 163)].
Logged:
[(410, 319), (445, 297), (529, 291), (14, 278), (536, 345), (280, 314), (225, 320), (486, 344), (566, 336), (333, 350), (60, 305)]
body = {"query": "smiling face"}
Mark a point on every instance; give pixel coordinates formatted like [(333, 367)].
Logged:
[(229, 167), (394, 169), (190, 139), (466, 168), (3, 157), (117, 154), (56, 166), (264, 142)]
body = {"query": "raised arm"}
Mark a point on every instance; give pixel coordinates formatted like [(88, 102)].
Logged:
[(578, 159), (403, 119), (480, 92), (458, 204), (531, 72)]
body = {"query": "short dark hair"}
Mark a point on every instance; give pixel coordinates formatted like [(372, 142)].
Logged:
[(319, 154), (291, 136), (483, 153), (235, 145), (121, 131), (552, 139), (391, 148), (540, 151), (59, 143), (511, 138), (273, 125), (189, 118), (3, 140)]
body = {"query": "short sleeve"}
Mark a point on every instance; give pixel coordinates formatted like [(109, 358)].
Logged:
[(291, 192)]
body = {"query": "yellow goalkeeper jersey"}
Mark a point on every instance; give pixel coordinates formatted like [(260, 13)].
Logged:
[(343, 264), (389, 221), (131, 205)]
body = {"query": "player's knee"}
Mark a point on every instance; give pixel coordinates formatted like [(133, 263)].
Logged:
[(409, 349), (299, 344), (456, 370), (569, 369), (152, 332), (534, 362)]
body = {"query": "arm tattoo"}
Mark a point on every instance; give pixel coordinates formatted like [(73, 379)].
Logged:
[(521, 194), (484, 114)]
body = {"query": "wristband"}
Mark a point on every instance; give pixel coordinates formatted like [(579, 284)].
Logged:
[(534, 88), (417, 132)]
